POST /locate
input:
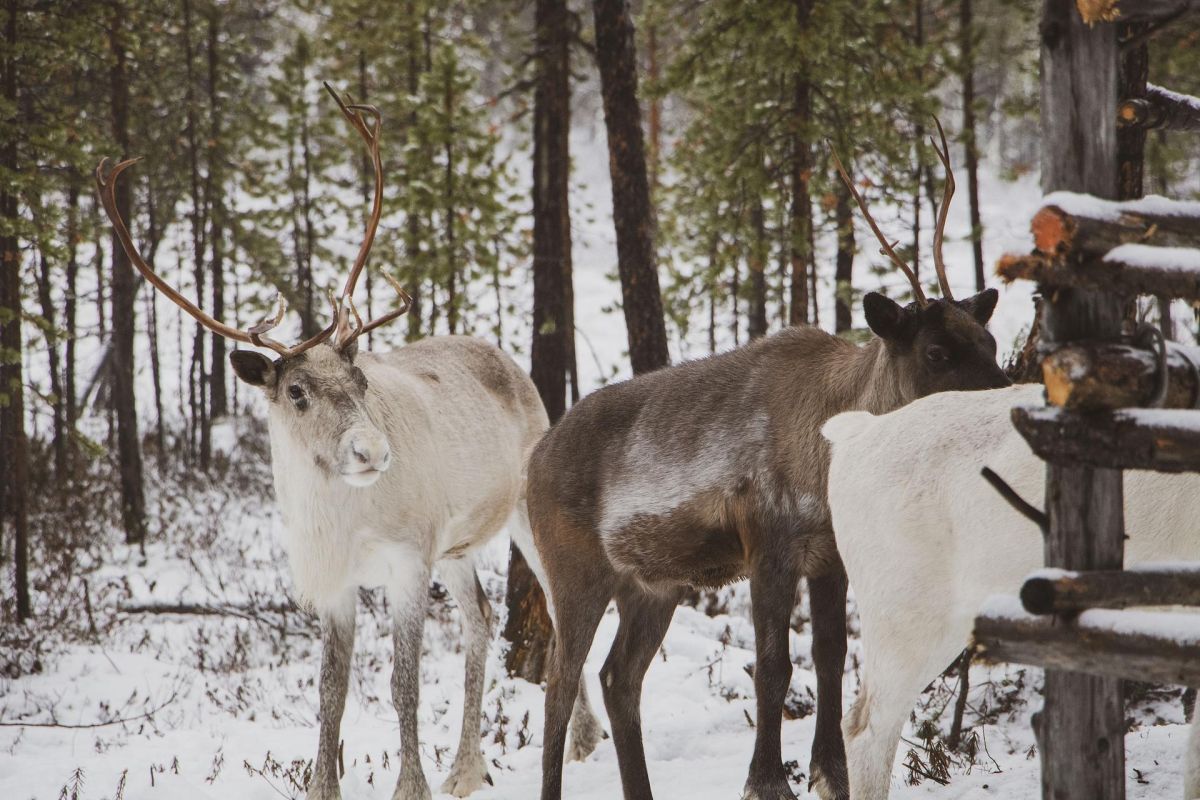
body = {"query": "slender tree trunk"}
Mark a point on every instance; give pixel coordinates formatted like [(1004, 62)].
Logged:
[(918, 146), (845, 260), (218, 402), (412, 238), (133, 505), (152, 325), (452, 299), (633, 216), (735, 294), (14, 490), (198, 391), (69, 301), (46, 300), (970, 143), (309, 229), (758, 269), (528, 627), (802, 165)]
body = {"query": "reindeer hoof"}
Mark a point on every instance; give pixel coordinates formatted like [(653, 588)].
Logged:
[(768, 790), (412, 786), (467, 778), (584, 739), (831, 785)]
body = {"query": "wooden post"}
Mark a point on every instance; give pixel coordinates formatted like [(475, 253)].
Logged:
[(1081, 728)]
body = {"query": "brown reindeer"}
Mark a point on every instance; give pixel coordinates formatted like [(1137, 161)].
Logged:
[(713, 471)]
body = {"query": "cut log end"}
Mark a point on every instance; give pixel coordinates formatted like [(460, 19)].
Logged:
[(1052, 230), (1093, 11), (1012, 267)]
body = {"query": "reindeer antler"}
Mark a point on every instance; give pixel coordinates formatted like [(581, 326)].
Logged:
[(943, 211), (106, 185), (356, 114), (886, 247)]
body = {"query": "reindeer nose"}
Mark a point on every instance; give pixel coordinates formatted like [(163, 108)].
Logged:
[(371, 451)]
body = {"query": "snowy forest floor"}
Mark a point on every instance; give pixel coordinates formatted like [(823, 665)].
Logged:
[(225, 706)]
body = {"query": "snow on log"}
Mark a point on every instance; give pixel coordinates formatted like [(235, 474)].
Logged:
[(1101, 376), (1156, 647), (1105, 274), (1160, 108), (1156, 439), (1071, 592), (1081, 226)]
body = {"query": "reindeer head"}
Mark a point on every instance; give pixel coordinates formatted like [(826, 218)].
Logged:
[(936, 345), (317, 393)]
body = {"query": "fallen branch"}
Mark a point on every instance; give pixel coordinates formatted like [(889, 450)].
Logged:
[(121, 721)]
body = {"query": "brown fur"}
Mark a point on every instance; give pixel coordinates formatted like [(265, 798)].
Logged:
[(714, 470)]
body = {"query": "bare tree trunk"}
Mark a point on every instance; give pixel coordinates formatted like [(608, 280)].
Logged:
[(13, 448), (69, 302), (412, 238), (970, 145), (133, 505), (218, 399), (918, 146), (152, 326), (198, 383), (758, 269), (452, 299), (633, 216), (46, 300), (802, 164), (528, 627), (843, 278)]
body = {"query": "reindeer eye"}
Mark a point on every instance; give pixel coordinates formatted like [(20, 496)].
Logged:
[(296, 393), (937, 354)]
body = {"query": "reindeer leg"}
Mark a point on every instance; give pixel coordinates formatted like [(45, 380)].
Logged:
[(410, 599), (827, 596), (469, 771), (577, 613), (645, 618), (586, 730), (337, 646), (772, 595)]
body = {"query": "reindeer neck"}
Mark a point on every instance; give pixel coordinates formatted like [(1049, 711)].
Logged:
[(878, 385)]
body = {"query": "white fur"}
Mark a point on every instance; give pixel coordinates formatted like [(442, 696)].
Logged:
[(925, 540), (654, 481), (445, 478)]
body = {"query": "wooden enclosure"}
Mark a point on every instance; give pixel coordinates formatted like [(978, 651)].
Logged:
[(1108, 383)]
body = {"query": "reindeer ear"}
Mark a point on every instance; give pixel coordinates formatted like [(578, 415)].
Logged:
[(253, 368), (885, 317), (350, 350), (980, 306)]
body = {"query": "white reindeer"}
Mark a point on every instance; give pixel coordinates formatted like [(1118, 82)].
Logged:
[(925, 540), (386, 466)]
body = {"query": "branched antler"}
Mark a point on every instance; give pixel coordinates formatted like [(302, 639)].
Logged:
[(886, 248), (943, 211), (106, 186), (367, 121), (357, 115)]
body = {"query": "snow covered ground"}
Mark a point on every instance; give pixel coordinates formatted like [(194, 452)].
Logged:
[(225, 706)]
